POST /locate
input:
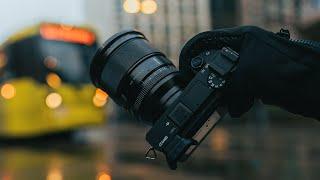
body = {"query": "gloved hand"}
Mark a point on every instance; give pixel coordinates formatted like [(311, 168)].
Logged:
[(271, 67)]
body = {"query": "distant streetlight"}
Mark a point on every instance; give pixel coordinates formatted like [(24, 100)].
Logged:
[(131, 6), (8, 91), (149, 7)]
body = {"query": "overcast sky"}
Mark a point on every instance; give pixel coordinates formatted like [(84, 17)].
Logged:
[(16, 14)]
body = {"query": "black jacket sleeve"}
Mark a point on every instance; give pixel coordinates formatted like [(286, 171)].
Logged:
[(272, 67)]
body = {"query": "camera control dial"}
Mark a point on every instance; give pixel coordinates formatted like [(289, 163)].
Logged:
[(215, 81)]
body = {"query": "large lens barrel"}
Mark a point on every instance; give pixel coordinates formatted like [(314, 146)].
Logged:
[(136, 75)]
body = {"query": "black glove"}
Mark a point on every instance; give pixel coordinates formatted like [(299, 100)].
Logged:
[(273, 68)]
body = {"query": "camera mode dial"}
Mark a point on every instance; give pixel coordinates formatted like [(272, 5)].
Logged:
[(215, 81)]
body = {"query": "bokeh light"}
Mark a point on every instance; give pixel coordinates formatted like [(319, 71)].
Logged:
[(8, 91), (6, 176), (149, 7), (53, 100), (131, 6), (103, 176), (220, 140), (55, 174), (50, 62), (100, 98), (53, 80)]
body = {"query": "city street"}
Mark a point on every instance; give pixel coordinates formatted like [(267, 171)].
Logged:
[(117, 152)]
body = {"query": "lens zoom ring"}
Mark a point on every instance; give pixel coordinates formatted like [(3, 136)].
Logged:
[(149, 83)]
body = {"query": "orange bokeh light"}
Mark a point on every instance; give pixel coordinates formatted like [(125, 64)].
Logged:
[(100, 98), (55, 174), (8, 91), (53, 80), (101, 94), (103, 176), (149, 7), (220, 140), (6, 176)]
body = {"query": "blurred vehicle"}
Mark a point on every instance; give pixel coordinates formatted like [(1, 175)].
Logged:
[(45, 86)]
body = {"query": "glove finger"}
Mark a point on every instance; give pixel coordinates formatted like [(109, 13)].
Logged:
[(206, 41), (237, 96)]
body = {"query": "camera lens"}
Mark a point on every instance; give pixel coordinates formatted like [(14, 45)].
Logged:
[(136, 75)]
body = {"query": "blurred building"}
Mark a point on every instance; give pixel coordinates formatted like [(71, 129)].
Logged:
[(295, 15), (169, 24), (225, 13), (166, 23), (273, 14)]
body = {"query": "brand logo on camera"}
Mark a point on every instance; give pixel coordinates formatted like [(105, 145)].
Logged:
[(163, 141)]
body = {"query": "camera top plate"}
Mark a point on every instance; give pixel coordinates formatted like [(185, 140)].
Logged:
[(205, 41)]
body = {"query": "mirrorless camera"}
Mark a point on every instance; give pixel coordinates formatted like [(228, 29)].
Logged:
[(182, 106)]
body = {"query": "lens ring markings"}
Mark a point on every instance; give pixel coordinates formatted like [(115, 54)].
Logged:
[(150, 82)]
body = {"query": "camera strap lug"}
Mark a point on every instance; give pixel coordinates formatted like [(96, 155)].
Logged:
[(285, 33), (151, 154)]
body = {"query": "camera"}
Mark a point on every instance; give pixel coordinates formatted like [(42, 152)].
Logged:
[(182, 106)]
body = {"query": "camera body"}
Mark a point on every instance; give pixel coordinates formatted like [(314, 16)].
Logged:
[(184, 125), (182, 106)]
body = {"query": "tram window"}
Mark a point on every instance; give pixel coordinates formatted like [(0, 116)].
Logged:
[(70, 58)]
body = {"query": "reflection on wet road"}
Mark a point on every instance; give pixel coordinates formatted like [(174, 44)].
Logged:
[(231, 152)]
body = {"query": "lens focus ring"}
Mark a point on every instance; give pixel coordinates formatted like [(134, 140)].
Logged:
[(151, 81)]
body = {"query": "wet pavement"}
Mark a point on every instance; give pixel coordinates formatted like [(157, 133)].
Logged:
[(117, 152)]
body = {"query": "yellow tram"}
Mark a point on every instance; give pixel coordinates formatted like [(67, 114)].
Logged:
[(44, 81)]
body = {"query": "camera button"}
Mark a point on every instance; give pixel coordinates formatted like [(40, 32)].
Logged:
[(197, 62)]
